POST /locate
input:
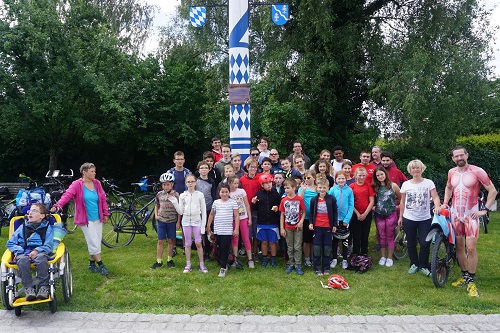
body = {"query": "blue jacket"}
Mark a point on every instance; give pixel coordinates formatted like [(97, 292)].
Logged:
[(347, 202), (17, 244)]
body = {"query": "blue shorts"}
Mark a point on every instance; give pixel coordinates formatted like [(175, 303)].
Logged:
[(166, 230), (268, 233)]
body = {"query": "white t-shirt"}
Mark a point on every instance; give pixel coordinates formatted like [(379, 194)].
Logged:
[(239, 196), (223, 219), (418, 199)]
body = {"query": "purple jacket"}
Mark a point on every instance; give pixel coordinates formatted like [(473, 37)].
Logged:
[(75, 192)]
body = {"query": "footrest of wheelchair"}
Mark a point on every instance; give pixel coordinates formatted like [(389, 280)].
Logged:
[(22, 301)]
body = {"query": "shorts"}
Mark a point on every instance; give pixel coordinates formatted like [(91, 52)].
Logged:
[(93, 235), (467, 227), (166, 230), (307, 235), (268, 233)]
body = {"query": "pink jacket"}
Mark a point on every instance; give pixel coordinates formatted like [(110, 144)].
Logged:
[(75, 192)]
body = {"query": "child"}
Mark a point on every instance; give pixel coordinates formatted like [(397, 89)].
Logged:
[(286, 166), (266, 165), (324, 168), (194, 216), (386, 217), (292, 210), (236, 163), (167, 215), (33, 240), (323, 221), (308, 191), (250, 183), (347, 167), (206, 185), (345, 203), (216, 151), (225, 160), (279, 178), (224, 215), (266, 202), (180, 172), (213, 173), (240, 196), (228, 172), (364, 199), (299, 165)]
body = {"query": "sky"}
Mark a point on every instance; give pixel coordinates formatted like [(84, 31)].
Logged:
[(167, 9)]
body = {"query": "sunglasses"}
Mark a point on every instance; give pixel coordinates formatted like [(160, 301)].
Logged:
[(255, 154), (273, 154)]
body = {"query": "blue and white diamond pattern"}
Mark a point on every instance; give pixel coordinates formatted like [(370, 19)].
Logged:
[(240, 117), (197, 16), (239, 68)]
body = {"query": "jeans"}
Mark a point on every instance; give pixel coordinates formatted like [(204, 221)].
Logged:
[(418, 230), (42, 269), (322, 248)]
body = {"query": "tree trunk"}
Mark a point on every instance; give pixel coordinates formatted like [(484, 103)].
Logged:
[(54, 154)]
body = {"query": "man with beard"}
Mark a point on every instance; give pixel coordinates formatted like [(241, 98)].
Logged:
[(395, 175), (464, 184)]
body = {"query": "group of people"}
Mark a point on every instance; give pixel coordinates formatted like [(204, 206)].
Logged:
[(289, 203)]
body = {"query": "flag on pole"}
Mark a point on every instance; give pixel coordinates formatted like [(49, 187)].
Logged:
[(279, 13), (197, 16)]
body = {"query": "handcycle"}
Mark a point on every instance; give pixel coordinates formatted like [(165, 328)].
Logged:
[(59, 270), (124, 224), (444, 254)]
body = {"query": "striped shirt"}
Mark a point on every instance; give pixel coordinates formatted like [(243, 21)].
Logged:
[(223, 219)]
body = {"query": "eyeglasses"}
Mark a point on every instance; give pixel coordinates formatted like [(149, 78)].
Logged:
[(309, 177), (297, 146), (190, 181), (33, 211), (203, 168), (252, 167), (255, 154)]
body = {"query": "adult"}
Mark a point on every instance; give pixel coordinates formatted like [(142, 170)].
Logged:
[(395, 175), (91, 211), (216, 151), (254, 155), (275, 160), (415, 215), (338, 159), (297, 151), (377, 157), (364, 159), (263, 148), (464, 184)]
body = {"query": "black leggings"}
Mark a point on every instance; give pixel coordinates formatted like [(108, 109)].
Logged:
[(360, 231), (224, 243)]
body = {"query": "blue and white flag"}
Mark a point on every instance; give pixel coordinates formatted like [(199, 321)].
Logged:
[(279, 13), (198, 16)]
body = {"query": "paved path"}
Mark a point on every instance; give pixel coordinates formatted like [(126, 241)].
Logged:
[(99, 322)]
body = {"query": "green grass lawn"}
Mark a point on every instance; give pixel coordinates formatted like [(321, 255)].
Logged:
[(133, 287)]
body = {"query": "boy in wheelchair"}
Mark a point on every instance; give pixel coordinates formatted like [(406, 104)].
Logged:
[(32, 243)]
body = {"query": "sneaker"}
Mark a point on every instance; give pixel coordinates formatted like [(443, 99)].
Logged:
[(242, 253), (104, 270), (308, 262), (156, 265), (222, 272), (43, 292), (203, 269), (389, 263), (93, 268), (472, 289), (187, 269), (299, 270), (461, 281), (382, 261), (251, 264), (345, 264), (255, 257), (339, 254), (376, 248), (264, 263), (289, 269), (413, 269), (326, 273), (333, 263), (425, 271), (171, 264), (273, 263), (318, 273), (30, 294)]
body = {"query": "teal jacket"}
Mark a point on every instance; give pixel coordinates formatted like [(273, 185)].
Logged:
[(345, 212)]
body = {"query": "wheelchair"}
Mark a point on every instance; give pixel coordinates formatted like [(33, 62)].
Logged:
[(59, 269)]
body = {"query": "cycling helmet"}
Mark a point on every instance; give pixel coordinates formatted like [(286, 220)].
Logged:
[(341, 233), (337, 282), (445, 212), (167, 177), (265, 179)]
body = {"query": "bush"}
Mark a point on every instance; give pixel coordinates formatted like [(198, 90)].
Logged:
[(489, 141), (486, 159)]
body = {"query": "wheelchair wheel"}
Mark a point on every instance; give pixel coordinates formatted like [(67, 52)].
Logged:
[(400, 244), (440, 266), (67, 279), (17, 311), (5, 295), (119, 230), (53, 302)]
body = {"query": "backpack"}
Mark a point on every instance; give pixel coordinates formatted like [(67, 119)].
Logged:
[(25, 198), (360, 263)]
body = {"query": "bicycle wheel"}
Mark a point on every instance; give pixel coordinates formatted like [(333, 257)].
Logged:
[(440, 266), (400, 244), (69, 210), (119, 230), (483, 221)]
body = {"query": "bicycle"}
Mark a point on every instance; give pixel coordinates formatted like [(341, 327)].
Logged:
[(483, 220), (400, 243), (114, 197), (7, 211), (124, 224), (444, 254), (57, 185)]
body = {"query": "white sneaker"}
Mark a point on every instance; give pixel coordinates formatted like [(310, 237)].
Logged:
[(251, 264), (382, 261), (345, 264), (333, 263), (222, 272), (389, 263)]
